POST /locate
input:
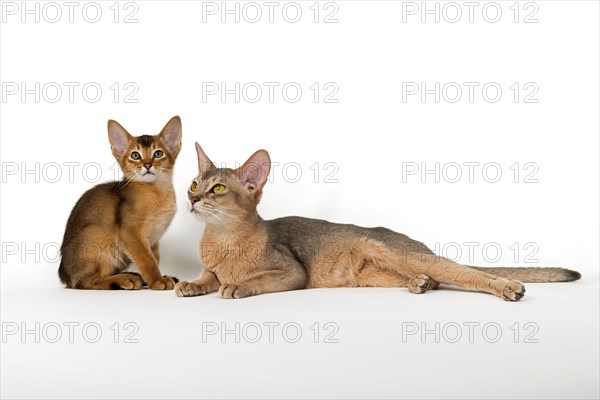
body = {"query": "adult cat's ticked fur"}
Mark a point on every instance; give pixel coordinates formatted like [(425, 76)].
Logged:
[(116, 223), (244, 255)]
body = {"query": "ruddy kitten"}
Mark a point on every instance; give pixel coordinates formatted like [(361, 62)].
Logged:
[(116, 223), (243, 255)]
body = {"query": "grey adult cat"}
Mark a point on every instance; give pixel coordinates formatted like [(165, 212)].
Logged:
[(244, 255)]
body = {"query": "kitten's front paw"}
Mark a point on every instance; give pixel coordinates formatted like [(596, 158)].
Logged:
[(231, 291), (513, 291), (165, 283), (188, 289)]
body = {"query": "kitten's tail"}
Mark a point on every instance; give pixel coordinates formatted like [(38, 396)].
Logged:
[(532, 274)]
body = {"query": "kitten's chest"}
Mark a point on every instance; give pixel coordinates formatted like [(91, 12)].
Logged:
[(160, 217)]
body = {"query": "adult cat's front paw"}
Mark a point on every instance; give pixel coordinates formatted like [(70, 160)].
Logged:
[(232, 291), (188, 289), (164, 283), (513, 291)]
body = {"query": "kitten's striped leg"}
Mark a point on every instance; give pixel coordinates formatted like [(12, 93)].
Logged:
[(141, 253)]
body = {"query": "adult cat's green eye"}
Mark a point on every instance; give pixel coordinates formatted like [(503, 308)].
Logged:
[(135, 155), (158, 154), (218, 189), (194, 187)]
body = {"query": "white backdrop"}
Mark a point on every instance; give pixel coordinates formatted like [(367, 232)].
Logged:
[(476, 134)]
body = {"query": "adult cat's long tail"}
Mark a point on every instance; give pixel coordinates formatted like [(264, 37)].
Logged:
[(532, 274)]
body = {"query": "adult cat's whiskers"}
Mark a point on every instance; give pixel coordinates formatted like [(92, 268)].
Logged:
[(233, 217), (214, 216)]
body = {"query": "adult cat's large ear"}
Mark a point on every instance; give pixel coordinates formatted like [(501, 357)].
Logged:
[(254, 173), (171, 135), (204, 163), (118, 137)]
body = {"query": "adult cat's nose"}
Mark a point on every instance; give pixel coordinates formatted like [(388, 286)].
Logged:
[(148, 166), (194, 201)]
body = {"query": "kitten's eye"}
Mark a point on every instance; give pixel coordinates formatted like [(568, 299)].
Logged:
[(135, 155), (218, 189), (194, 187), (158, 154)]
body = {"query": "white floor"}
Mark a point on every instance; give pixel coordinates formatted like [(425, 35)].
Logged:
[(368, 343)]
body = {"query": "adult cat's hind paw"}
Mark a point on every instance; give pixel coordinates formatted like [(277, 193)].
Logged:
[(421, 283), (165, 283), (513, 291)]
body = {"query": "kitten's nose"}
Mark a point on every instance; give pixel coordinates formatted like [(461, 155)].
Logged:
[(148, 166), (194, 201)]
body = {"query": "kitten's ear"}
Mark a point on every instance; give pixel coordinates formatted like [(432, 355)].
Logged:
[(254, 173), (171, 135), (118, 137), (204, 163)]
